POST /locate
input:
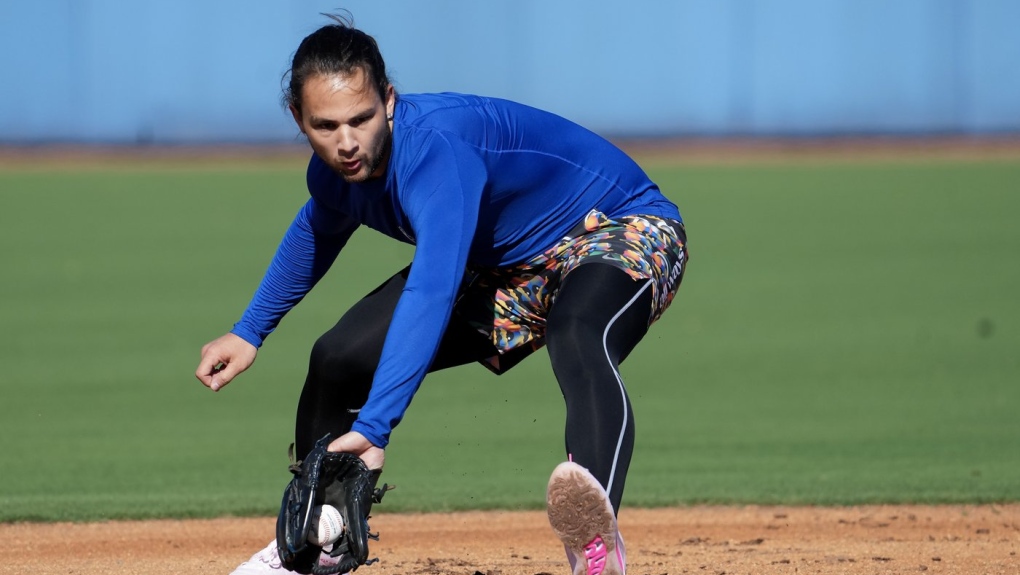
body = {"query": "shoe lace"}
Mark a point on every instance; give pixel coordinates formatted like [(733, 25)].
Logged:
[(595, 555), (270, 556)]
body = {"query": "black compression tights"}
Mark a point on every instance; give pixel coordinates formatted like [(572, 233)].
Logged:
[(599, 316)]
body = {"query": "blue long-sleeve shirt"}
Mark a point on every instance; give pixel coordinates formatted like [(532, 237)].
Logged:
[(469, 180)]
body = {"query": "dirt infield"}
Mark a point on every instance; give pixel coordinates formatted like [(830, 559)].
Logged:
[(733, 540), (648, 152)]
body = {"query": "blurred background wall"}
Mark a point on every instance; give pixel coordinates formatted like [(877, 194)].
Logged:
[(184, 71)]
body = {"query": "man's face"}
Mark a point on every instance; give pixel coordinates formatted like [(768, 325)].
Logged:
[(345, 122)]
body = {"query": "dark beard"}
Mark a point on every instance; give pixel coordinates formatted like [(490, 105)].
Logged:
[(376, 159)]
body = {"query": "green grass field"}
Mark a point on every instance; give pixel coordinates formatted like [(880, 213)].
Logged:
[(846, 334)]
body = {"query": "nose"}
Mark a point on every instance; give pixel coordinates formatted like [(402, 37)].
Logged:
[(346, 145)]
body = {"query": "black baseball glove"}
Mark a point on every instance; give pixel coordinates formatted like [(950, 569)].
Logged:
[(338, 479)]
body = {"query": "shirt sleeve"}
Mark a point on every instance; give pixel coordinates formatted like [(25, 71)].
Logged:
[(441, 198), (308, 249)]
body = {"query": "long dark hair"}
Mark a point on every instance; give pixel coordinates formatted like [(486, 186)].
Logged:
[(337, 48)]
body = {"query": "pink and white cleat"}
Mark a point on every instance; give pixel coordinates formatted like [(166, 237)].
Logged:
[(267, 562), (582, 517)]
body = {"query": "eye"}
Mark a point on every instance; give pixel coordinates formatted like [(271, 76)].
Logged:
[(360, 120)]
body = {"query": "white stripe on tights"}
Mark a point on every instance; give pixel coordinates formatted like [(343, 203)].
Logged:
[(619, 380)]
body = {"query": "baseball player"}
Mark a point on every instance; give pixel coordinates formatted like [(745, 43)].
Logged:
[(529, 230)]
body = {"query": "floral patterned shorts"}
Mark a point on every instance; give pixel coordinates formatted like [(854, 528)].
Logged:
[(509, 305)]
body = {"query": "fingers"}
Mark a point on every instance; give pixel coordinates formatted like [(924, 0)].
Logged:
[(223, 359), (351, 442), (223, 375), (356, 443), (208, 367)]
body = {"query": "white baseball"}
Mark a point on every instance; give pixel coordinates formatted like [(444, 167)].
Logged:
[(327, 526)]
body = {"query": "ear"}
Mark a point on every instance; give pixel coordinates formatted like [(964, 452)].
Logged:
[(297, 117), (391, 100)]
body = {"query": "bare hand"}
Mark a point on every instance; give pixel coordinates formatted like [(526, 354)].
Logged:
[(356, 443), (223, 359)]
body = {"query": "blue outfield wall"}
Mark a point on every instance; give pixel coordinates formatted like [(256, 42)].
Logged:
[(210, 70)]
